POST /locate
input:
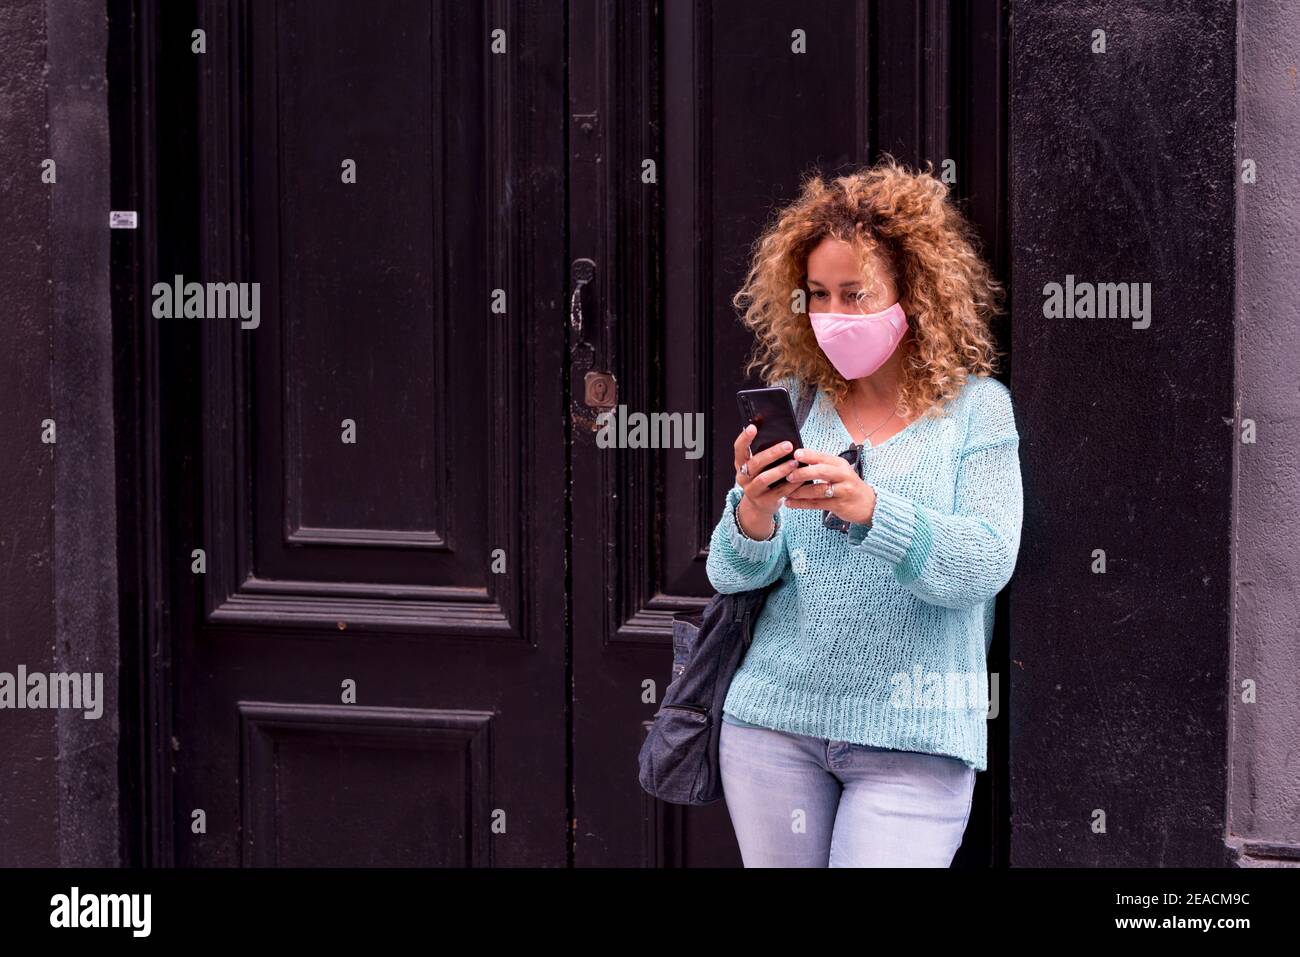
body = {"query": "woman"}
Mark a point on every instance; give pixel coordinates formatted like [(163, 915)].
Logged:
[(854, 726)]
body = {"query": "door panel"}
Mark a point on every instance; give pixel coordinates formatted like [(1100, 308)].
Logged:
[(374, 470), (731, 116), (359, 285)]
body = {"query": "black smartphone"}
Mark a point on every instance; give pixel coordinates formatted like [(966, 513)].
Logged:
[(773, 412)]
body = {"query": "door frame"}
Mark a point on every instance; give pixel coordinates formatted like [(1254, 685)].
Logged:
[(161, 244), (146, 160)]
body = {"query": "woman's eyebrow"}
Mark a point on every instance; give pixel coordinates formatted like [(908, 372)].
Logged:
[(843, 285)]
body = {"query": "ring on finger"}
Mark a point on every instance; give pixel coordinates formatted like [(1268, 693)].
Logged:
[(830, 490), (744, 469)]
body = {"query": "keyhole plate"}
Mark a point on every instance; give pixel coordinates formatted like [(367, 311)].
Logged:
[(600, 390)]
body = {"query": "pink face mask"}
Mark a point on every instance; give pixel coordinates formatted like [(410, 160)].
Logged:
[(859, 343)]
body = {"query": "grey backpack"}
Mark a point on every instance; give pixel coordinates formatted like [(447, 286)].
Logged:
[(679, 757)]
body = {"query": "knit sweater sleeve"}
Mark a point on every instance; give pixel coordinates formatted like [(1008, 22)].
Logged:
[(739, 563), (964, 558)]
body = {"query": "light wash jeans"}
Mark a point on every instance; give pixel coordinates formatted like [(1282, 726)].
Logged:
[(800, 801)]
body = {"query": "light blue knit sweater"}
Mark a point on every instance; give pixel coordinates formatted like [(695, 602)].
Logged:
[(879, 637)]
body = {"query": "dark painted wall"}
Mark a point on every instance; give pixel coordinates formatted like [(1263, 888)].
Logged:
[(27, 771), (85, 493), (58, 586), (1122, 170)]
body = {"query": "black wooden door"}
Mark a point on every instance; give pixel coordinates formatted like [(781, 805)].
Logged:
[(432, 619), (689, 119), (371, 667)]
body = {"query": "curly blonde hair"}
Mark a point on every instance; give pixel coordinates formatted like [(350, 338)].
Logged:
[(905, 217)]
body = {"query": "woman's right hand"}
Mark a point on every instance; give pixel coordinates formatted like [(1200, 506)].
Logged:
[(761, 501)]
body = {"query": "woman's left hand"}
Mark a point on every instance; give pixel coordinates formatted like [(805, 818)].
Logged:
[(854, 500)]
